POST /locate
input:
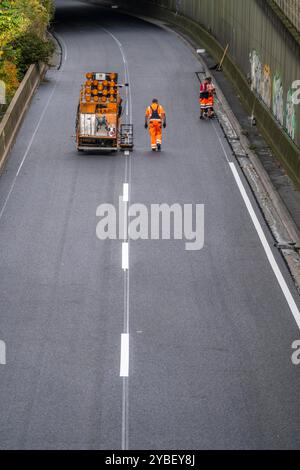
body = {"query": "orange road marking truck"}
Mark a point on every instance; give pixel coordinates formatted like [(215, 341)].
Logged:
[(99, 115)]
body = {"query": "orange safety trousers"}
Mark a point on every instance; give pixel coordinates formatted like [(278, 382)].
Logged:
[(155, 131)]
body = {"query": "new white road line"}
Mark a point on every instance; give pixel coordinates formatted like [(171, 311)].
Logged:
[(124, 365), (125, 192), (125, 256), (127, 75), (125, 216), (279, 276), (284, 287)]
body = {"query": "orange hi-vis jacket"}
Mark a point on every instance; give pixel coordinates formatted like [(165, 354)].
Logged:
[(155, 112), (207, 92)]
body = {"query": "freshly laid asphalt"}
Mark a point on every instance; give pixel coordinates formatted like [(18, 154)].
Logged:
[(210, 331)]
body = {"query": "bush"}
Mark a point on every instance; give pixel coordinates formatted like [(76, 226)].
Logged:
[(30, 49), (13, 21), (8, 73), (50, 7), (23, 24), (20, 16)]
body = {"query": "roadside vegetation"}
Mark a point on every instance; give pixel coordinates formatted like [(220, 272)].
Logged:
[(23, 26)]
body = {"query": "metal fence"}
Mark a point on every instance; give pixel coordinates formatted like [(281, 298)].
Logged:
[(291, 9)]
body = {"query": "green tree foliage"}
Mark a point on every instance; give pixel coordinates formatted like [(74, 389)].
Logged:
[(13, 21), (49, 5), (23, 25), (30, 48)]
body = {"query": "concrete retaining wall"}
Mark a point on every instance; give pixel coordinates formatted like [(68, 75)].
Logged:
[(12, 119)]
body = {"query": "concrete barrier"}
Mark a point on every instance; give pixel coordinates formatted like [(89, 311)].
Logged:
[(12, 119)]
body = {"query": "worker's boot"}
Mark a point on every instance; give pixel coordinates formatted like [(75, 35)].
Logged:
[(158, 147)]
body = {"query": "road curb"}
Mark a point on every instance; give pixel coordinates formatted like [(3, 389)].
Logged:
[(59, 49)]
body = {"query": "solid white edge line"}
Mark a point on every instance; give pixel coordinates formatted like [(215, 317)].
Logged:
[(124, 364), (125, 256), (284, 287), (125, 192)]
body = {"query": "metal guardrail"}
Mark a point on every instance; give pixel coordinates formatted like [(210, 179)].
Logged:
[(12, 119)]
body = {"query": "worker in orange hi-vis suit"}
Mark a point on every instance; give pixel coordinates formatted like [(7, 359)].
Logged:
[(211, 97), (155, 118), (207, 98)]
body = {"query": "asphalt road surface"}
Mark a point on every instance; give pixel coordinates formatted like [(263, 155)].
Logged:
[(210, 331)]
